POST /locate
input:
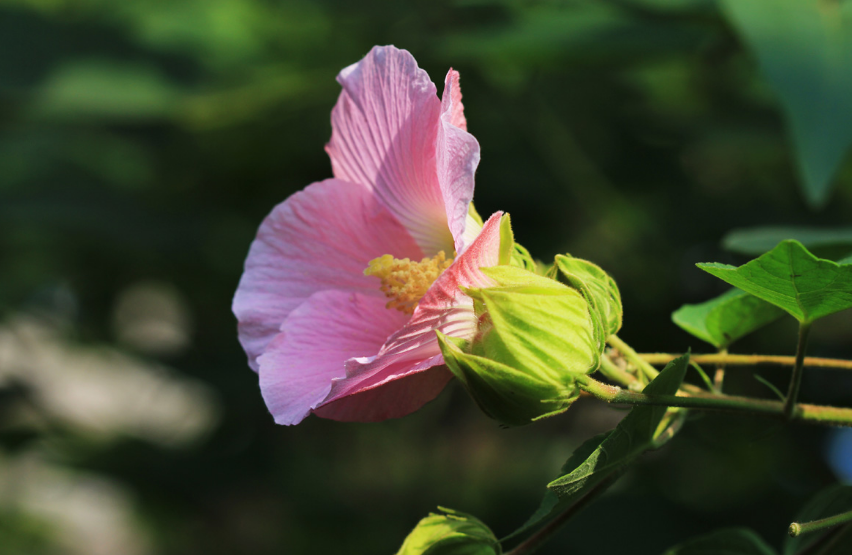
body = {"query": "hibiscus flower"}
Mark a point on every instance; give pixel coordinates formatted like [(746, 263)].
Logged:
[(348, 280)]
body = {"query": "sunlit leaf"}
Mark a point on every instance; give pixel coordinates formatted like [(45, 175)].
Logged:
[(730, 541), (450, 533), (728, 317), (792, 279), (804, 48)]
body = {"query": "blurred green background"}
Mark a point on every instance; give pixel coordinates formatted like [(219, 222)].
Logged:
[(143, 141)]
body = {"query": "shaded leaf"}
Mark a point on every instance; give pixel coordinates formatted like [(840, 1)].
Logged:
[(758, 240), (723, 320), (96, 89), (792, 279), (804, 49), (729, 541)]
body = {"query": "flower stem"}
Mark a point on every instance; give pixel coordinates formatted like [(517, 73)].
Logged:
[(535, 541), (609, 369), (749, 360), (796, 378), (719, 378), (632, 356), (798, 528), (815, 414)]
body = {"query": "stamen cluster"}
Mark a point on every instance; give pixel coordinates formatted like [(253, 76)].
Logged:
[(405, 281)]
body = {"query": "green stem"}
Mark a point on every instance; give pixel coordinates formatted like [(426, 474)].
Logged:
[(807, 413), (609, 369), (719, 378), (749, 360), (798, 528), (632, 356), (796, 378), (535, 541)]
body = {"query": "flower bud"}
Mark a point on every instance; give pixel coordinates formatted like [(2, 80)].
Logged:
[(535, 334), (598, 287), (451, 533)]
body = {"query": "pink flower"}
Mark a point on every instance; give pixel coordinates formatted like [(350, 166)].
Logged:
[(322, 335)]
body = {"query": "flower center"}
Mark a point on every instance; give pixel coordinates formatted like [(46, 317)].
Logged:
[(405, 281)]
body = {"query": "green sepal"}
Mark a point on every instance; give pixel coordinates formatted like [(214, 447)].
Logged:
[(535, 323), (596, 285), (508, 395), (534, 336), (522, 259), (507, 240), (450, 533)]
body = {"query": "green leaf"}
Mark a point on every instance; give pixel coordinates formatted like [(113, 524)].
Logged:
[(831, 501), (450, 533), (757, 240), (804, 49), (723, 320), (609, 454), (729, 541), (792, 279)]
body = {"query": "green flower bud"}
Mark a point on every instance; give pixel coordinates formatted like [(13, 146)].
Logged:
[(596, 285), (535, 334), (451, 533)]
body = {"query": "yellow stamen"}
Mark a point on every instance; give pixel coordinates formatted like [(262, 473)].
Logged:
[(405, 282)]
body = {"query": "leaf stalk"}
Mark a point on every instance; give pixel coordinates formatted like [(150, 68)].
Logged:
[(799, 528), (815, 414), (796, 378)]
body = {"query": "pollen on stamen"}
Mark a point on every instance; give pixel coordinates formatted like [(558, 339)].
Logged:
[(404, 281)]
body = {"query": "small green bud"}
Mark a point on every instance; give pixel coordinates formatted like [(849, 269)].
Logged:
[(450, 533), (596, 285), (535, 334)]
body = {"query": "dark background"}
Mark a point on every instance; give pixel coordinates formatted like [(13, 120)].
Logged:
[(143, 141)]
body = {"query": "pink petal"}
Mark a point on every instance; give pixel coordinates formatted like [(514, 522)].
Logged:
[(458, 157), (414, 348), (393, 400), (319, 239), (299, 364), (391, 133), (384, 128), (451, 101)]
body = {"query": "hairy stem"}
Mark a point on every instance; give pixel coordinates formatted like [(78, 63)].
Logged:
[(749, 360), (609, 369), (632, 356), (796, 378), (719, 378), (798, 528), (815, 414)]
